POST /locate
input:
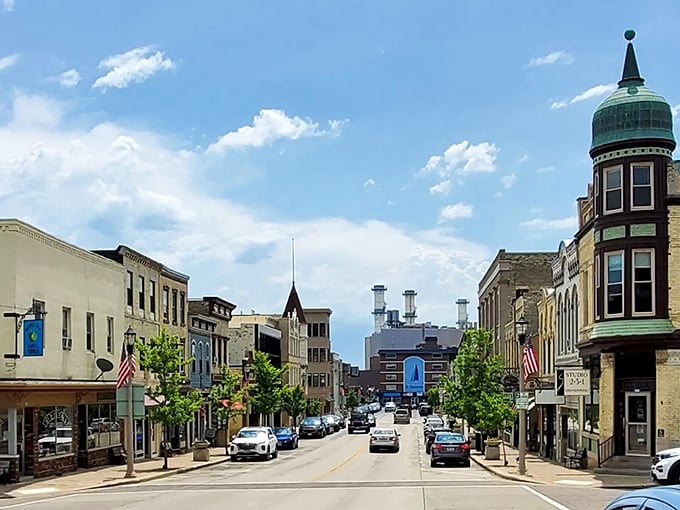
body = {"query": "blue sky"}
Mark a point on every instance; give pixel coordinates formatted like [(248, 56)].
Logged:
[(399, 142)]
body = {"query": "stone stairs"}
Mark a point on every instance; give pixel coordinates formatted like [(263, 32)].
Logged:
[(623, 465)]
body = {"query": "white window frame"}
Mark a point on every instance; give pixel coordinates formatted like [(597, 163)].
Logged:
[(605, 173), (597, 285), (66, 337), (634, 207), (390, 366), (596, 181), (110, 331), (653, 282), (391, 377), (89, 332), (606, 284)]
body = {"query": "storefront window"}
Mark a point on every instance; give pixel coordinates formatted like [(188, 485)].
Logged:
[(591, 418), (573, 429), (4, 432), (55, 431), (103, 429)]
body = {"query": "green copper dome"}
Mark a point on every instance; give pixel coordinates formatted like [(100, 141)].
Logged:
[(632, 112)]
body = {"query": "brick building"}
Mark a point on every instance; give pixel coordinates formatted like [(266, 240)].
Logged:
[(407, 374)]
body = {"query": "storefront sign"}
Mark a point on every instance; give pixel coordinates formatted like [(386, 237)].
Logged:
[(33, 338), (576, 382), (522, 401), (414, 375), (137, 401)]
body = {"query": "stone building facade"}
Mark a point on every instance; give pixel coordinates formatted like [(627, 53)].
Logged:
[(320, 360)]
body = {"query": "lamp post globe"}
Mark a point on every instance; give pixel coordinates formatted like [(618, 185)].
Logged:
[(130, 337)]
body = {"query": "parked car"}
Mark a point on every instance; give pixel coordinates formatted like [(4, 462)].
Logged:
[(371, 420), (666, 466), (331, 422), (286, 437), (666, 498), (402, 416), (341, 420), (312, 426), (259, 442), (390, 407), (384, 439), (374, 407), (450, 447), (358, 421)]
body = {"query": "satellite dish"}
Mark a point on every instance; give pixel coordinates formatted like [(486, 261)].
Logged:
[(104, 365)]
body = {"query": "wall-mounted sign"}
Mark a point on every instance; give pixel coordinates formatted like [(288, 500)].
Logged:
[(576, 382), (414, 375), (33, 338)]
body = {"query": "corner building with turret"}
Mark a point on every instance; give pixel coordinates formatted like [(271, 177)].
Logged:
[(630, 307)]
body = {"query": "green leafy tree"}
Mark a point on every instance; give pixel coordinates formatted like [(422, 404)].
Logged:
[(352, 399), (294, 401), (227, 397), (432, 397), (265, 395), (314, 406), (494, 410), (164, 357)]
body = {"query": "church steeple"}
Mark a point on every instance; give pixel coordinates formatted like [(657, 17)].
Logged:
[(293, 304)]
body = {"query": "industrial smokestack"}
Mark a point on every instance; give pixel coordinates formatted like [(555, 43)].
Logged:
[(410, 307), (462, 313), (378, 307)]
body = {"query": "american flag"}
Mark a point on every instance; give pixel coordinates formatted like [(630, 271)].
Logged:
[(529, 360), (126, 368)]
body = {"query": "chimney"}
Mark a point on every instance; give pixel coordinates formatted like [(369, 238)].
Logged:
[(410, 307), (378, 307), (462, 313)]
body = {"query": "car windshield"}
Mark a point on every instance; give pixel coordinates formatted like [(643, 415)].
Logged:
[(311, 421), (384, 432), (402, 411), (435, 423), (449, 438), (358, 415), (283, 430), (249, 433)]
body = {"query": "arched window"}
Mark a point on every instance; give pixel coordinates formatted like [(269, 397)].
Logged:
[(193, 355), (207, 358), (574, 300), (559, 322), (199, 356)]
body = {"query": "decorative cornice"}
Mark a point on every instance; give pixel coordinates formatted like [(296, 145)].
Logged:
[(626, 153)]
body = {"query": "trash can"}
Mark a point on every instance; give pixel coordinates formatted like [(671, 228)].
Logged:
[(201, 449), (479, 445)]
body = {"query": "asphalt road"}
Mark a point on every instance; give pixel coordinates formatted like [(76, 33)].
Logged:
[(333, 473)]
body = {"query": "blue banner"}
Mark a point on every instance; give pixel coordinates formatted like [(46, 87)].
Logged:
[(33, 338), (414, 375)]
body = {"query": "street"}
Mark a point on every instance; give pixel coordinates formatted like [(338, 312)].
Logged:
[(329, 474)]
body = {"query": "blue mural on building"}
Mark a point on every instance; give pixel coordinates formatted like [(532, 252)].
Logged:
[(414, 375), (200, 375)]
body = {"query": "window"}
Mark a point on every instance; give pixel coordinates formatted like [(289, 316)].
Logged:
[(38, 308), (66, 341), (322, 329), (103, 426), (322, 354), (613, 196), (315, 355), (166, 299), (642, 196), (309, 380), (152, 299), (142, 295), (391, 355), (174, 306), (183, 350), (109, 334), (129, 289), (89, 331), (643, 281), (437, 366), (193, 356), (315, 329), (55, 431), (591, 415), (309, 354), (390, 377), (182, 307), (614, 284), (315, 380), (391, 366), (437, 355), (597, 284), (597, 190), (322, 379)]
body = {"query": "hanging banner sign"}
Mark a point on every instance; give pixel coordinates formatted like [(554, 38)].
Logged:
[(33, 338)]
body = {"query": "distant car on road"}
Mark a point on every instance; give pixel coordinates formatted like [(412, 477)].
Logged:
[(662, 498), (432, 422), (359, 421), (390, 407), (253, 442), (384, 439), (430, 435), (286, 437), (402, 416), (425, 410), (312, 426), (449, 447)]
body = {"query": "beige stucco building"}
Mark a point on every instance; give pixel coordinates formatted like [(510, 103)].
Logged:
[(69, 305), (319, 383)]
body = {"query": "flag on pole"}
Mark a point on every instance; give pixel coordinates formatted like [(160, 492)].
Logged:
[(126, 368), (529, 360)]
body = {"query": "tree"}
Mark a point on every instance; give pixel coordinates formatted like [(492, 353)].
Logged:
[(432, 397), (314, 406), (164, 357), (494, 410), (294, 401), (352, 399), (265, 395), (227, 398)]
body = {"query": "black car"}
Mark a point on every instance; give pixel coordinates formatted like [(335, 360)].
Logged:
[(449, 447), (425, 410), (359, 421), (312, 426), (430, 434)]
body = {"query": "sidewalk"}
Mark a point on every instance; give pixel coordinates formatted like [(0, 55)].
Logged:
[(110, 476), (543, 471)]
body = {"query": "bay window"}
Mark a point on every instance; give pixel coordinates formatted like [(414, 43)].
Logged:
[(613, 190), (643, 281), (614, 284), (642, 196)]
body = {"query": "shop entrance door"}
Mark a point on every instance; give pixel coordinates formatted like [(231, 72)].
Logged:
[(637, 423)]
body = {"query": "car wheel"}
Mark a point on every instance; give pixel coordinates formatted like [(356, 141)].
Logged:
[(296, 445), (350, 431), (275, 454), (234, 458), (370, 449), (396, 449), (433, 463), (267, 455), (674, 475), (466, 463)]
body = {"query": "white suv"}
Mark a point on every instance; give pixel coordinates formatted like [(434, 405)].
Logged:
[(253, 442), (666, 466)]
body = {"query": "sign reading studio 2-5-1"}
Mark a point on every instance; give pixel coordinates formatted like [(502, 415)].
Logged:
[(414, 375), (33, 338)]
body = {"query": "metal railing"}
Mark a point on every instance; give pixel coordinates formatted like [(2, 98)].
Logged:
[(605, 450)]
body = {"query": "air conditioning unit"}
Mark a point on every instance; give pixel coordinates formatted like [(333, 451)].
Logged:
[(66, 343)]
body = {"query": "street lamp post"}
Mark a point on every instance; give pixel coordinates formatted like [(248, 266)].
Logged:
[(130, 338), (521, 326), (245, 370)]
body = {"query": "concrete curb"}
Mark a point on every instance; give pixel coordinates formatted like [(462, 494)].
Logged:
[(630, 486), (505, 475)]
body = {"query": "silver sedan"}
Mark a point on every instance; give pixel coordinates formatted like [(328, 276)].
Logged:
[(387, 439)]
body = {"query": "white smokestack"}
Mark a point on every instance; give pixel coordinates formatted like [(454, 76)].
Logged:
[(410, 307), (462, 313), (378, 307)]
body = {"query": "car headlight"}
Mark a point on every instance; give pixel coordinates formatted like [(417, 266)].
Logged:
[(669, 455)]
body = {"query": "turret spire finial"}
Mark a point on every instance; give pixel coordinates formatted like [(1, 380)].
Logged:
[(631, 73)]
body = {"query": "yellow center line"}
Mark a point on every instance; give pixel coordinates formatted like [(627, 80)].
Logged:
[(341, 465)]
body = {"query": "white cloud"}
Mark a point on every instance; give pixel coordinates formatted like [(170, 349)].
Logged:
[(442, 188), (134, 66), (369, 182), (592, 92), (8, 61), (69, 79), (508, 181), (463, 158), (675, 110), (271, 125), (556, 57), (523, 159), (7, 5), (545, 169), (455, 211), (106, 184), (570, 223)]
